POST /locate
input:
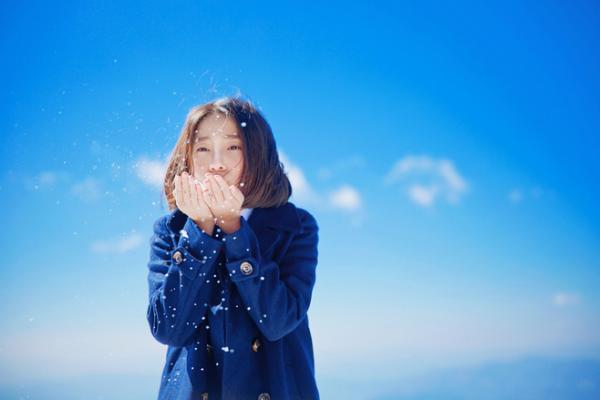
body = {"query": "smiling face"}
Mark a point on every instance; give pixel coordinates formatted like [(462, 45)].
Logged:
[(218, 149)]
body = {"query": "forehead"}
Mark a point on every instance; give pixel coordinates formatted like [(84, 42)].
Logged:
[(216, 123)]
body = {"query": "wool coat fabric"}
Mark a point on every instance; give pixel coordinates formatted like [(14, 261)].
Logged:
[(232, 308)]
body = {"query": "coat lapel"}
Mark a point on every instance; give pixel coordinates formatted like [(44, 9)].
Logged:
[(268, 224)]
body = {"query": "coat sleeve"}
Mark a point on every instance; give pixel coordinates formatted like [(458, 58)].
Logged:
[(276, 296), (180, 287)]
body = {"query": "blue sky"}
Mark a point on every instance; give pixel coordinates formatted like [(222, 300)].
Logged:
[(447, 150)]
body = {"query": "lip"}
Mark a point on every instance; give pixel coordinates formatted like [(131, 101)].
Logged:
[(212, 173), (222, 177)]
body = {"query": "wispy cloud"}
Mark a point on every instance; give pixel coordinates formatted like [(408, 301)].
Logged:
[(301, 189), (87, 190), (117, 245), (563, 299), (346, 164), (345, 197), (151, 172), (430, 179), (517, 195), (45, 179)]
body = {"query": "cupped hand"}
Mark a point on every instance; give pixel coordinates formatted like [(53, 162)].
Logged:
[(190, 200), (224, 201)]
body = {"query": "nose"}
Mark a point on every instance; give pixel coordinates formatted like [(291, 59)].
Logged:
[(216, 165)]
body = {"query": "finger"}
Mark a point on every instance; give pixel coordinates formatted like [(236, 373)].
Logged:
[(177, 191), (199, 195), (223, 187), (209, 202), (194, 185), (184, 189), (192, 197), (237, 193), (206, 193), (193, 193), (216, 191), (188, 190)]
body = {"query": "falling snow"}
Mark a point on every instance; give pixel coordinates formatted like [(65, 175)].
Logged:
[(216, 308)]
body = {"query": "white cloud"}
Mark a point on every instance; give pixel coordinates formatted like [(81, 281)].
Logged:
[(518, 195), (563, 299), (423, 195), (350, 163), (345, 197), (117, 245), (515, 196), (87, 190), (301, 189), (151, 172), (432, 179), (45, 179)]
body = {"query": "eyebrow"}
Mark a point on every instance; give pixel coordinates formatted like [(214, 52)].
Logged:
[(201, 138)]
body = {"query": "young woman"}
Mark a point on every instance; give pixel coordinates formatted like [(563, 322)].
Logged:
[(232, 265)]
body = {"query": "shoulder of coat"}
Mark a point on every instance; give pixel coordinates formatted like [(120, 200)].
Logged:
[(160, 224), (305, 217)]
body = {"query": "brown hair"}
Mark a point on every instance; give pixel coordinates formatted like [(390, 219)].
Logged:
[(265, 183)]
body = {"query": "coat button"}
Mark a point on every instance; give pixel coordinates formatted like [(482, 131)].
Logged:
[(255, 345), (205, 396), (246, 268), (178, 257), (208, 347), (264, 396)]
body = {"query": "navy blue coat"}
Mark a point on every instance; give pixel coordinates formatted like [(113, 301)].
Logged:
[(232, 308)]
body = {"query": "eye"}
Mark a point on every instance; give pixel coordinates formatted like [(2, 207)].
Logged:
[(234, 147)]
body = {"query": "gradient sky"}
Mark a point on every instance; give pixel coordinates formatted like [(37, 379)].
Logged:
[(447, 150)]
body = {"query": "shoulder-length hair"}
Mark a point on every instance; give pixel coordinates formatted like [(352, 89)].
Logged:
[(265, 183)]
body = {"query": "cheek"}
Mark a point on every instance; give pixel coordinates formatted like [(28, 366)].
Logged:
[(200, 166), (200, 169)]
